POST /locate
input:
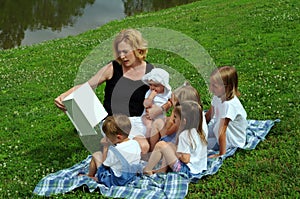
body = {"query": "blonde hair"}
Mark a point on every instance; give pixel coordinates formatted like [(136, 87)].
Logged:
[(191, 112), (227, 76), (187, 92), (117, 124), (134, 38)]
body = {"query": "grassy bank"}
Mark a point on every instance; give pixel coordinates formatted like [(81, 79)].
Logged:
[(260, 38)]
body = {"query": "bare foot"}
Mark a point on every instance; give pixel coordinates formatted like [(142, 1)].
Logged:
[(148, 172), (94, 178)]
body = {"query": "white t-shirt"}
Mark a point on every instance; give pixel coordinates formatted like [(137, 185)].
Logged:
[(161, 98), (204, 124), (236, 130), (130, 150), (198, 158)]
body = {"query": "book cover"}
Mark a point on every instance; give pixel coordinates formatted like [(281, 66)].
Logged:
[(84, 110)]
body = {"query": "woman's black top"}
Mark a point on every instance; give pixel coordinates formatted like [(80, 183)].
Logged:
[(123, 95)]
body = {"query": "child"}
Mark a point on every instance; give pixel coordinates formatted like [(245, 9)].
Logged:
[(165, 129), (226, 117), (190, 155), (121, 162), (158, 94)]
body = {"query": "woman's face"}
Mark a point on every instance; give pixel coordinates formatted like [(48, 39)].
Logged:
[(126, 54)]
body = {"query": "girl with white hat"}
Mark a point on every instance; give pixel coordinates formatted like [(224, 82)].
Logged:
[(158, 94)]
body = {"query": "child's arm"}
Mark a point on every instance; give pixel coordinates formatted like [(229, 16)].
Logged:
[(149, 100), (209, 114), (170, 127), (184, 157), (222, 137)]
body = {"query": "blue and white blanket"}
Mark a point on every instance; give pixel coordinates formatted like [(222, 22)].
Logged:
[(170, 185)]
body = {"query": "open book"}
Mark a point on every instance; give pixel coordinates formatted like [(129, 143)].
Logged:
[(84, 110)]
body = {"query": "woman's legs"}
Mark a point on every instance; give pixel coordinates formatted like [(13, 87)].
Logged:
[(143, 144)]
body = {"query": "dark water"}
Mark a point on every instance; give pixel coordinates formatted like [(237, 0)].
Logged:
[(26, 22)]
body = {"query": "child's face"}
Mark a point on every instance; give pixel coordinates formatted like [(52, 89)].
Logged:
[(158, 88), (217, 88), (177, 120)]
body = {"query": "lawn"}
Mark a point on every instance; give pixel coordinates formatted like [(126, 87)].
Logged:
[(260, 38)]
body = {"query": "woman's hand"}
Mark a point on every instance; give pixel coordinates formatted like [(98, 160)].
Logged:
[(153, 111), (59, 104), (59, 99)]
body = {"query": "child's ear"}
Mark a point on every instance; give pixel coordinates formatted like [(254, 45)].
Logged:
[(119, 136), (184, 121)]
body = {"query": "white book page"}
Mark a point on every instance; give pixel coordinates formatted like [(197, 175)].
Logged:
[(88, 103)]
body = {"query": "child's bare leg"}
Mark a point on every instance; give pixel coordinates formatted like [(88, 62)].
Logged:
[(96, 161), (157, 125), (162, 149), (163, 168)]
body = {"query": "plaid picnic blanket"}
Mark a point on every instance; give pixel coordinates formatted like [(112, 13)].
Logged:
[(169, 185)]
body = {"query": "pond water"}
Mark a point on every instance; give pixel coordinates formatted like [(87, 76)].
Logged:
[(34, 21)]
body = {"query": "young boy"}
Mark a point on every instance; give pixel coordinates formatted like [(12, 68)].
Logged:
[(118, 166)]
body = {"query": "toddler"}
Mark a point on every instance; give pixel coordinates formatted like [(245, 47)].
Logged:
[(121, 162), (158, 94)]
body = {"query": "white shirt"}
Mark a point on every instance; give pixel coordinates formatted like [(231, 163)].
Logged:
[(130, 150), (160, 99), (198, 153), (236, 130), (204, 124)]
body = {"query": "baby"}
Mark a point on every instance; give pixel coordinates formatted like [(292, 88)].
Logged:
[(158, 94)]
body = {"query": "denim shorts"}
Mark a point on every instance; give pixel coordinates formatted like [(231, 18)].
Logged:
[(169, 138)]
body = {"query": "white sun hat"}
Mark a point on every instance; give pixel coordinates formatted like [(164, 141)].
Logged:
[(157, 75)]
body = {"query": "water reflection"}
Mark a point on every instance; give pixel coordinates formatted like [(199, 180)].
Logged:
[(133, 7), (26, 22)]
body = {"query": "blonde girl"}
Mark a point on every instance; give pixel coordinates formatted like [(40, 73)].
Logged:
[(190, 153), (226, 117), (165, 129)]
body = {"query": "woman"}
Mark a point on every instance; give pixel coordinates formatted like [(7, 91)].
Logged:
[(124, 90)]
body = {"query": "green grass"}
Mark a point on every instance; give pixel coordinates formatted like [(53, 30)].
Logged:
[(260, 38)]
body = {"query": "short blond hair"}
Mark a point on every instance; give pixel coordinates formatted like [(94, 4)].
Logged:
[(135, 39), (117, 124)]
